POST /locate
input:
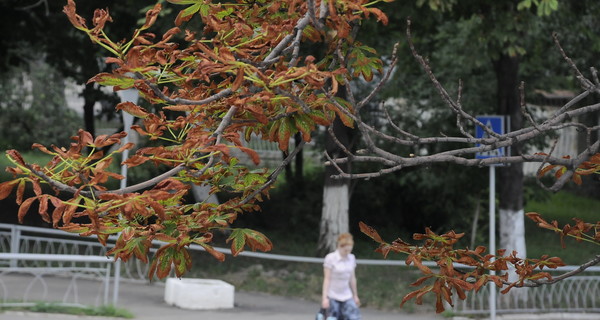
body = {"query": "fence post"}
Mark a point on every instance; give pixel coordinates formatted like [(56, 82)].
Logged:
[(106, 283), (117, 279), (15, 239)]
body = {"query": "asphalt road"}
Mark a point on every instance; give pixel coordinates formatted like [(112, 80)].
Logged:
[(146, 302)]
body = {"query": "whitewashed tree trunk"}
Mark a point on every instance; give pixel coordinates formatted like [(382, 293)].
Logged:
[(336, 192), (334, 215), (512, 237), (512, 234)]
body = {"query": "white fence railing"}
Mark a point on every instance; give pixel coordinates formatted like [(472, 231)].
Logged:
[(574, 294), (21, 285), (581, 293)]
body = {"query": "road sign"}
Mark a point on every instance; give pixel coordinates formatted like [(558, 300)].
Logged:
[(496, 124)]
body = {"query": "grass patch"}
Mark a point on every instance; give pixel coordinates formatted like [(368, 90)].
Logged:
[(46, 307), (30, 156), (562, 207)]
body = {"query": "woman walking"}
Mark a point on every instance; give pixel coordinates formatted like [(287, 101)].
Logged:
[(340, 296)]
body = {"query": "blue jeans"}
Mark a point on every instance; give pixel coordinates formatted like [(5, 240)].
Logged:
[(344, 310)]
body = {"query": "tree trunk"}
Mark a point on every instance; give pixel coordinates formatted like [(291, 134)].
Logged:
[(336, 195), (299, 162), (89, 98), (510, 182)]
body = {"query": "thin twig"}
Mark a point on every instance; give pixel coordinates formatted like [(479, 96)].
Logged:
[(441, 90), (339, 143), (57, 184), (561, 277), (273, 176), (583, 156), (539, 171), (31, 6), (585, 83), (396, 127), (524, 110)]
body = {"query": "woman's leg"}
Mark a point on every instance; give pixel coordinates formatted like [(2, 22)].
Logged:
[(334, 309), (349, 311)]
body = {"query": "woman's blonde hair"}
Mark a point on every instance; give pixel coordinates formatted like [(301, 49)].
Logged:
[(345, 239)]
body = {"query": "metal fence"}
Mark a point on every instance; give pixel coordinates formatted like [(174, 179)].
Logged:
[(45, 281), (574, 294)]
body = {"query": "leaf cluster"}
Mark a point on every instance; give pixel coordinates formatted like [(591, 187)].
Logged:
[(460, 270), (240, 76)]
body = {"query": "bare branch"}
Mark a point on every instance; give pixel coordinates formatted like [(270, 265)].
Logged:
[(339, 143), (312, 14), (221, 94), (302, 23), (524, 110), (37, 4), (441, 90), (539, 181), (585, 83), (296, 44), (563, 276), (585, 155), (391, 122), (148, 183), (331, 162), (57, 184)]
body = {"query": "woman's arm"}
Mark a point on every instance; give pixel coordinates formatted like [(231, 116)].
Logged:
[(326, 280), (354, 289)]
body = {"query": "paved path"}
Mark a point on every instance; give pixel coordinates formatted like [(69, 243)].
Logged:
[(147, 302)]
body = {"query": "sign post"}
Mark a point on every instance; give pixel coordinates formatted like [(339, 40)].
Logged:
[(129, 95), (497, 125)]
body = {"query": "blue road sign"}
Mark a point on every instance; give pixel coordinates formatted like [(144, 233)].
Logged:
[(496, 123)]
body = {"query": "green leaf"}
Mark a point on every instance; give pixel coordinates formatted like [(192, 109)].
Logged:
[(108, 79), (305, 125), (161, 263), (238, 240), (182, 261), (253, 178), (524, 5), (139, 247), (254, 239), (320, 117), (224, 13), (286, 130), (349, 122), (187, 13)]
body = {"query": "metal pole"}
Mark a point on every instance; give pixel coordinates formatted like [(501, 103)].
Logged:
[(492, 205), (15, 238), (130, 95), (106, 283), (117, 280)]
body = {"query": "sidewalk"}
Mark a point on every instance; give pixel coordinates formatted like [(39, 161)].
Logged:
[(146, 302)]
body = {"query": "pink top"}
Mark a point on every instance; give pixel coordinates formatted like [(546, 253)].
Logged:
[(341, 273)]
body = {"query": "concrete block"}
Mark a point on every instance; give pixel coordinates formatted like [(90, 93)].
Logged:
[(199, 294)]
